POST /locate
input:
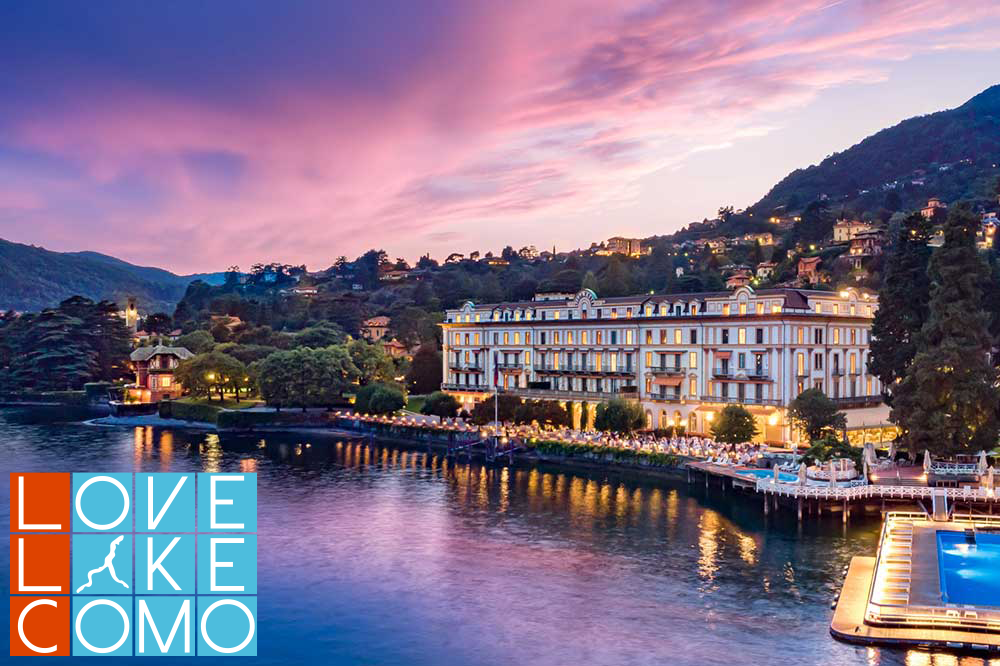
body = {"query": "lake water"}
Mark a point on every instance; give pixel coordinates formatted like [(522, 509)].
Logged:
[(377, 555)]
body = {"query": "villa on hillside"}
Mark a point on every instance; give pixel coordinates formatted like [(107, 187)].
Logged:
[(376, 328), (844, 231), (154, 373), (808, 270)]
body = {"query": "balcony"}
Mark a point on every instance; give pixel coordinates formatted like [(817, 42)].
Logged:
[(722, 372), (562, 394), (859, 401), (666, 369), (663, 396), (465, 367), (758, 373), (736, 400), (465, 387), (837, 372)]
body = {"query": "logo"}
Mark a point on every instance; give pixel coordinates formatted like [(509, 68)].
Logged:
[(133, 565)]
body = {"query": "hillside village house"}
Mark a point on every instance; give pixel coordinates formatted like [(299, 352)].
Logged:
[(845, 230), (865, 245), (935, 209), (683, 357), (376, 328), (630, 247), (154, 373), (808, 270), (765, 269)]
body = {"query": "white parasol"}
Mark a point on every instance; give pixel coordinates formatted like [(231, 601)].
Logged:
[(927, 462), (802, 474)]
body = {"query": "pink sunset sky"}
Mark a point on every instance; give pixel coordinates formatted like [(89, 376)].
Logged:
[(194, 136)]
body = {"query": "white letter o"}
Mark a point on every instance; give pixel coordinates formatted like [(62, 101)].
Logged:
[(204, 626), (79, 621), (79, 506)]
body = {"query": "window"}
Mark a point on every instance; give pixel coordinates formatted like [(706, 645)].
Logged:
[(725, 336), (693, 360), (649, 359), (527, 337), (817, 336), (743, 308), (742, 337), (628, 337), (614, 337), (663, 336), (597, 337), (583, 337), (477, 338), (759, 336), (694, 336), (628, 313), (725, 309), (649, 310), (854, 336), (555, 315), (527, 358), (775, 309), (818, 361), (801, 358), (506, 338), (836, 336), (801, 335), (614, 362), (649, 337), (555, 337), (693, 387), (677, 336), (742, 360), (569, 337), (165, 381), (477, 317), (854, 364), (542, 336), (760, 308)]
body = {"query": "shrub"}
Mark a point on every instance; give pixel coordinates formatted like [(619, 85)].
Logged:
[(440, 404), (185, 411), (619, 415), (379, 399)]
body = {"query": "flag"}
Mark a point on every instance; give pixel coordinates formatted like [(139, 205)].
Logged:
[(496, 371)]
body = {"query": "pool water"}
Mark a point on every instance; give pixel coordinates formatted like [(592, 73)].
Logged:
[(970, 573), (768, 474)]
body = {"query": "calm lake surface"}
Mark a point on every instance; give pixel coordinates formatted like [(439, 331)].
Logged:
[(378, 555)]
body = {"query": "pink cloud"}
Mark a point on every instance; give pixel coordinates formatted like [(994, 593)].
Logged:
[(527, 111)]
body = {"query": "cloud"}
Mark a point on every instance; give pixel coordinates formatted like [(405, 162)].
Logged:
[(343, 127)]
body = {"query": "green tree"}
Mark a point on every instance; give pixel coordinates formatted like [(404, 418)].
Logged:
[(212, 371), (619, 415), (590, 282), (158, 323), (196, 342), (735, 425), (424, 375), (373, 364), (615, 280), (946, 402), (903, 304), (441, 405), (816, 414), (506, 408), (379, 399), (322, 334), (542, 412)]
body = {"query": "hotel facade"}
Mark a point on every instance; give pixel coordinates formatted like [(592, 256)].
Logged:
[(683, 357)]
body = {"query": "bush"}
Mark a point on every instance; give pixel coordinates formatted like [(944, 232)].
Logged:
[(186, 411), (379, 399), (239, 419), (619, 415), (735, 425), (611, 454), (96, 391), (441, 405)]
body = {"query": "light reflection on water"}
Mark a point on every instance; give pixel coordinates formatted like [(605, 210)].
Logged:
[(377, 555)]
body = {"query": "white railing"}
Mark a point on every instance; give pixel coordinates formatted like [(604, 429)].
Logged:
[(956, 469), (860, 492)]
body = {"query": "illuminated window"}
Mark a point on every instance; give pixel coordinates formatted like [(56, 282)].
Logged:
[(555, 315), (693, 387), (725, 309), (555, 337), (477, 317), (677, 336), (614, 362), (628, 313), (694, 309), (854, 364), (743, 308), (649, 359), (517, 338), (583, 337), (477, 338), (854, 309), (649, 310), (836, 336), (506, 338), (165, 382), (649, 337), (628, 337), (742, 335), (693, 360), (614, 313), (836, 308), (663, 309), (760, 308), (527, 358), (775, 309), (598, 337), (801, 359)]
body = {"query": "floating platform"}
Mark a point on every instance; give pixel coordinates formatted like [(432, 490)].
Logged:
[(896, 599)]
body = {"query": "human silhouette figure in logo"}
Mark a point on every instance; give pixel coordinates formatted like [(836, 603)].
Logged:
[(108, 564)]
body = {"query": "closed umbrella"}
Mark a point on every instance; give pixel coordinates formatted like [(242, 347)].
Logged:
[(802, 474), (892, 451), (777, 474), (833, 475), (990, 481), (927, 462), (982, 463)]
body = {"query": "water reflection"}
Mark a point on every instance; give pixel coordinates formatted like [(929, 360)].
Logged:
[(375, 554)]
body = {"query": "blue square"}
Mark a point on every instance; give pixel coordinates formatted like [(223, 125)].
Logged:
[(171, 561), (102, 502), (227, 502), (227, 626), (165, 626), (235, 559), (102, 626), (172, 505), (102, 564)]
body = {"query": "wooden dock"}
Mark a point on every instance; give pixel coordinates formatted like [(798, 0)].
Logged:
[(848, 621)]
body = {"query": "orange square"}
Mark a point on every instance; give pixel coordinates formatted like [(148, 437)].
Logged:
[(44, 623), (47, 502), (39, 564)]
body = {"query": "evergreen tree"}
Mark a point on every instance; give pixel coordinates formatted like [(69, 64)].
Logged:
[(946, 402), (903, 304)]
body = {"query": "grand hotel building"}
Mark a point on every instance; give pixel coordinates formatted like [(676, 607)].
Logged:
[(682, 356)]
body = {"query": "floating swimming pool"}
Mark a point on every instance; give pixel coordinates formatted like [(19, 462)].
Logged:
[(970, 572), (768, 474)]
